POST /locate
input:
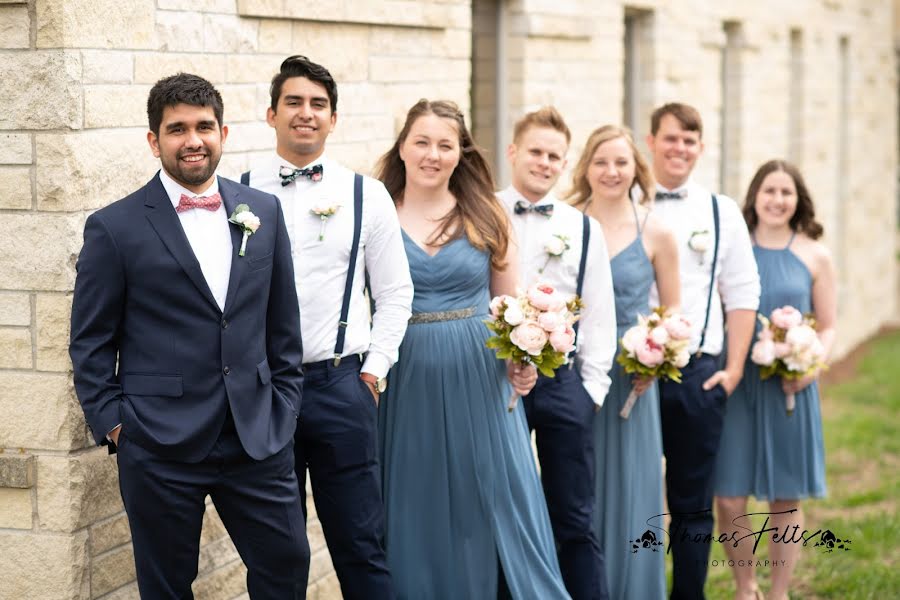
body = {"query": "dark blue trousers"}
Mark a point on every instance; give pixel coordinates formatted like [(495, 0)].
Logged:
[(691, 428), (561, 413), (257, 501), (336, 441)]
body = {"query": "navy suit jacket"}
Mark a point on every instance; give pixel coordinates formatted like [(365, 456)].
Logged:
[(152, 350)]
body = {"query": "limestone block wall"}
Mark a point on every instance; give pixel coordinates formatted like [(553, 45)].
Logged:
[(813, 79)]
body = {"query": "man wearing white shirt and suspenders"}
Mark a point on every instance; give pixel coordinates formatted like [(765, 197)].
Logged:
[(561, 409), (343, 229), (718, 272)]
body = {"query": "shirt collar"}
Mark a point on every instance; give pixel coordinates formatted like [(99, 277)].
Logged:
[(686, 186), (175, 189)]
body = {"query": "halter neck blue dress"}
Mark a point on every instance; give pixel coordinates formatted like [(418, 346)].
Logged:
[(629, 489), (764, 452), (461, 490)]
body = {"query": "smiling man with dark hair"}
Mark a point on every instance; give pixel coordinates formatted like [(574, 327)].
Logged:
[(187, 356)]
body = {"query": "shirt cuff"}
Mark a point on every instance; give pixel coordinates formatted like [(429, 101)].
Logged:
[(597, 391), (109, 439), (376, 364)]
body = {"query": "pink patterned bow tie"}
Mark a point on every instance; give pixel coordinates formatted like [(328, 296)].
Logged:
[(210, 203)]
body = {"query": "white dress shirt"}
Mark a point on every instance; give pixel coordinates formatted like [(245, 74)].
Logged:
[(209, 235), (737, 280), (596, 343), (320, 267)]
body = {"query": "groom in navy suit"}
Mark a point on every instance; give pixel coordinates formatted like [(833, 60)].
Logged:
[(187, 356)]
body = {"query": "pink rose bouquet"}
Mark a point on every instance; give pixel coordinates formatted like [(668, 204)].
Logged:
[(657, 347), (535, 328), (787, 346)]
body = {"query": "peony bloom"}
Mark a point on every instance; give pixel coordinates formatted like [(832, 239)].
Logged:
[(545, 297), (682, 359), (529, 336), (551, 320), (562, 339), (248, 220), (801, 336), (634, 338), (678, 327), (650, 356), (496, 303), (786, 317), (659, 335), (782, 349), (763, 353), (513, 314)]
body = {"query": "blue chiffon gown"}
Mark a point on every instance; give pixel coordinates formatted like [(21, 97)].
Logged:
[(764, 452), (629, 488), (461, 491)]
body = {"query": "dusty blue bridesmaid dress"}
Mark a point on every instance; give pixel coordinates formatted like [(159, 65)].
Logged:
[(461, 490), (629, 489), (764, 452)]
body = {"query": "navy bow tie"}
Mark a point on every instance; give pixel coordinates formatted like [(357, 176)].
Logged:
[(527, 207), (663, 195), (313, 173)]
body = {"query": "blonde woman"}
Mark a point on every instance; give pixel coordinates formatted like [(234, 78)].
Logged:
[(643, 251)]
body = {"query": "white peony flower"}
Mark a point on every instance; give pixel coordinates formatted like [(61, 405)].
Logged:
[(513, 314)]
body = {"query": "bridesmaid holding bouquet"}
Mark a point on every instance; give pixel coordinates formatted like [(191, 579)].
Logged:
[(766, 452), (628, 452)]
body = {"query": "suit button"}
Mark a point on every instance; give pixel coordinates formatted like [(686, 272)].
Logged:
[(226, 370), (224, 324)]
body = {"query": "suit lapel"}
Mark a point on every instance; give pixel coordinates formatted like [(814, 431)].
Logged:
[(231, 198), (164, 219)]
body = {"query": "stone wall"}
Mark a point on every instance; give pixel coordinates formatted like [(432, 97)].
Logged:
[(73, 83)]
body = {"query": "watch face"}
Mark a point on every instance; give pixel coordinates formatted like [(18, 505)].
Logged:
[(381, 385)]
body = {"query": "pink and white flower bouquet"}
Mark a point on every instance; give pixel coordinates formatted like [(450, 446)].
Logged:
[(535, 328), (656, 347), (788, 346)]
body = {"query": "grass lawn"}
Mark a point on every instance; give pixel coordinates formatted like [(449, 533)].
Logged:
[(861, 417)]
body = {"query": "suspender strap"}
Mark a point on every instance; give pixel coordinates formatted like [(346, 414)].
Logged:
[(354, 251), (245, 178), (712, 275), (585, 240)]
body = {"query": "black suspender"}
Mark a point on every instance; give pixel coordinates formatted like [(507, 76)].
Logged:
[(585, 240), (245, 178), (712, 275), (354, 251)]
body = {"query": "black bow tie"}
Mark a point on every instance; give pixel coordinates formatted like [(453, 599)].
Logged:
[(663, 195), (527, 207), (313, 173)]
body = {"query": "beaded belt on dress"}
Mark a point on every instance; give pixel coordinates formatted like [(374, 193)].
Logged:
[(443, 315)]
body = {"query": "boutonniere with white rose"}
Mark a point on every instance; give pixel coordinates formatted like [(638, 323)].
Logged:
[(699, 243), (555, 247), (247, 221), (324, 210)]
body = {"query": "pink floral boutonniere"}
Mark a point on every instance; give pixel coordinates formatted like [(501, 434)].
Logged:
[(323, 211), (247, 221)]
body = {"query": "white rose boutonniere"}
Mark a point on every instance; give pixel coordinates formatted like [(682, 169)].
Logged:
[(699, 243), (247, 221), (324, 210), (555, 247)]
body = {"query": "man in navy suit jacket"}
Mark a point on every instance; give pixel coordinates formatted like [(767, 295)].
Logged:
[(187, 356)]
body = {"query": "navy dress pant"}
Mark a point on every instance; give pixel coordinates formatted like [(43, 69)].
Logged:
[(561, 413), (691, 426), (257, 501), (336, 442)]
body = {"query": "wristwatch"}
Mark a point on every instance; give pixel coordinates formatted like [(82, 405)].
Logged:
[(380, 383)]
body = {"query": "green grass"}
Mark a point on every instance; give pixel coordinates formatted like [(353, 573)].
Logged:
[(861, 421)]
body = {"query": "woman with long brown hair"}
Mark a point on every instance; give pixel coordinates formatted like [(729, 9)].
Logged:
[(465, 513), (765, 452), (628, 453)]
